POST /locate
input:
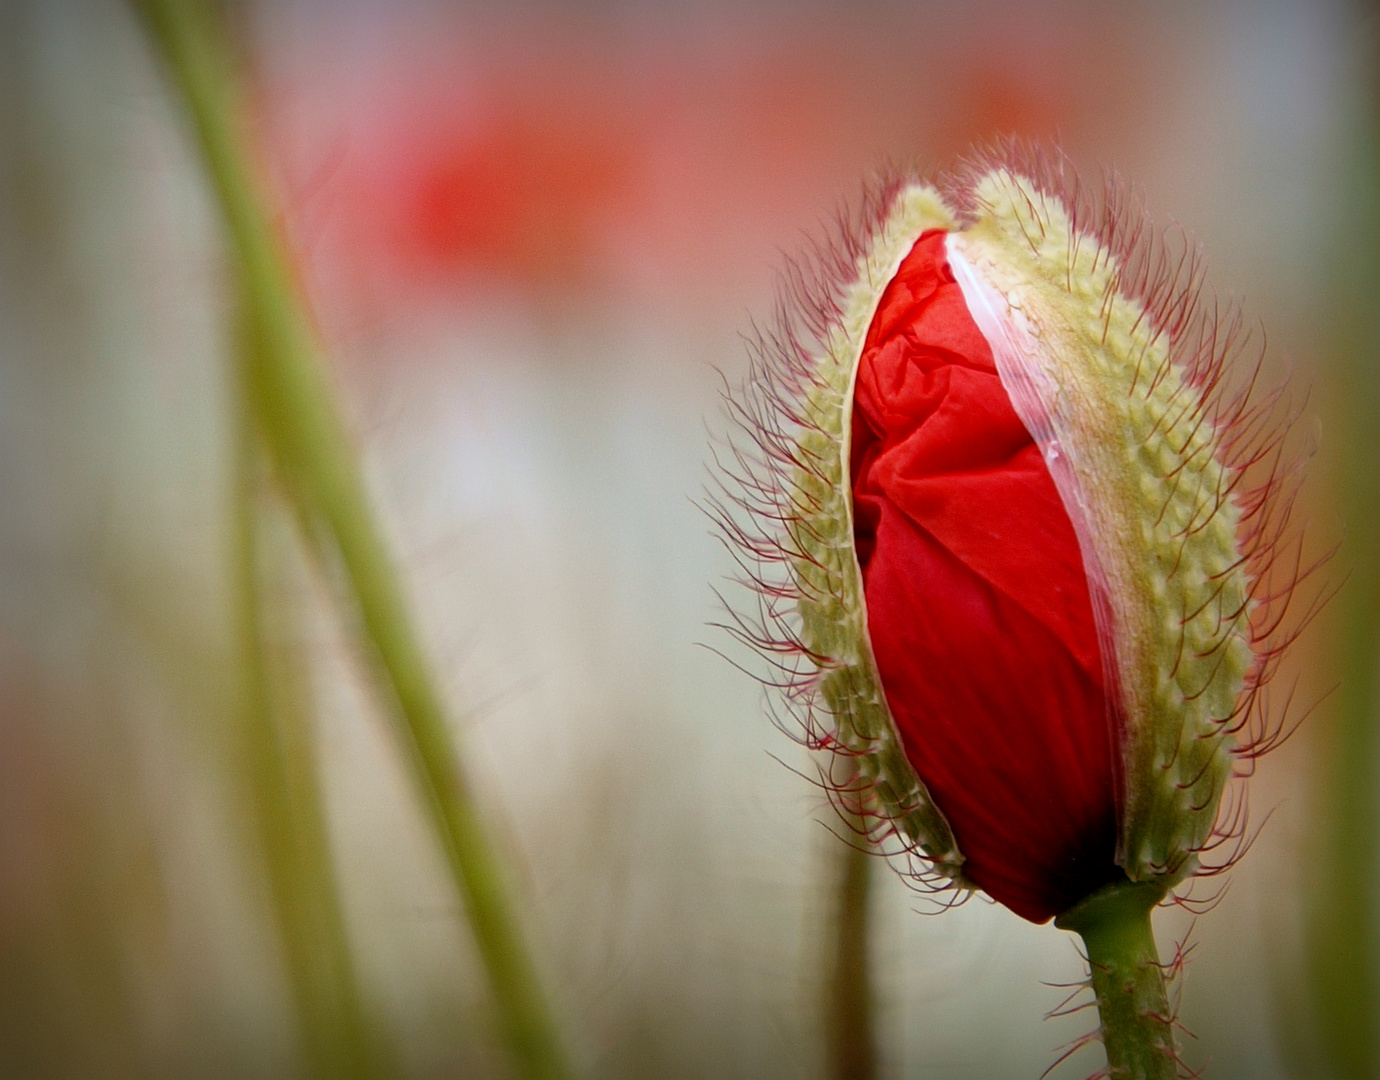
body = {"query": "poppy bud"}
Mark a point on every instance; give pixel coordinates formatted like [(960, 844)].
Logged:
[(1017, 531)]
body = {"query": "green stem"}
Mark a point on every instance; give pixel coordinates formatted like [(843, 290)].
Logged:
[(1341, 894), (850, 1024), (852, 1039), (311, 447), (1127, 978), (280, 754)]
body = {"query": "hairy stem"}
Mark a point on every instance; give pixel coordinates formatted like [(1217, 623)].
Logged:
[(293, 407), (1128, 980)]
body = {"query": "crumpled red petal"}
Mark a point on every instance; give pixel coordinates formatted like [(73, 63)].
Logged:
[(977, 602)]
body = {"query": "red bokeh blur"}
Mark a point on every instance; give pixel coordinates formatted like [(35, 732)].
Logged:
[(561, 158)]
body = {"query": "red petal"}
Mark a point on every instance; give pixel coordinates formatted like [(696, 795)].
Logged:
[(977, 602)]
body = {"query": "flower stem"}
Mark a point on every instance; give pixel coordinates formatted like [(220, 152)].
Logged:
[(312, 451), (1127, 978)]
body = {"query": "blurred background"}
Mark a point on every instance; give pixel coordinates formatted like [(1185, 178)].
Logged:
[(533, 235)]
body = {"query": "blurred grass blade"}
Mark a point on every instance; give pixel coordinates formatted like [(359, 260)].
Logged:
[(312, 450), (1342, 938), (279, 752)]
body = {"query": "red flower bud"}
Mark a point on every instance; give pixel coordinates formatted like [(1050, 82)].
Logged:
[(1018, 524), (977, 601)]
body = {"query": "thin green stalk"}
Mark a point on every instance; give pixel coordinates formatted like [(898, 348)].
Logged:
[(276, 732), (1137, 1028), (1342, 936), (850, 1022), (311, 448), (849, 1013)]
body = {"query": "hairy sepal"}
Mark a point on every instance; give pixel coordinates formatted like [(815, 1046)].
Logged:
[(831, 603)]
